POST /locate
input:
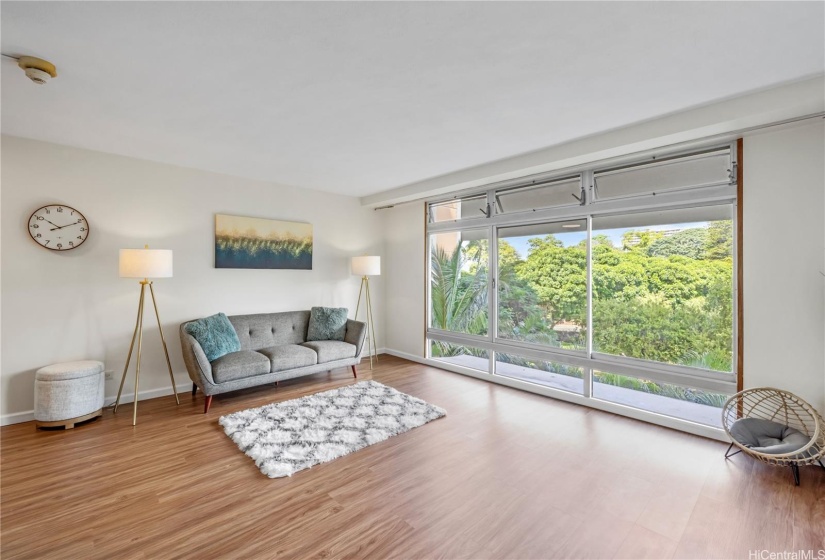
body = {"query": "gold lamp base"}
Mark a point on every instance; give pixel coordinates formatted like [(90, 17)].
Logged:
[(372, 348), (139, 335)]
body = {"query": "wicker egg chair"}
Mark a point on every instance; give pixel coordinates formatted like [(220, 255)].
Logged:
[(776, 427)]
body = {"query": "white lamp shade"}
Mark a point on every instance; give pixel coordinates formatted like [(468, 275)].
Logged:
[(145, 263), (366, 266)]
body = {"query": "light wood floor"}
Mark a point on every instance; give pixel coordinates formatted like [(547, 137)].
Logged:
[(505, 474)]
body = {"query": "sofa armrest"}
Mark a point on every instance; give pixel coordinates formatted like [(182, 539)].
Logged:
[(199, 368), (356, 333)]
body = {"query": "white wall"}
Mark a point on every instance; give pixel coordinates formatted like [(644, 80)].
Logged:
[(784, 249), (404, 269), (784, 206), (67, 306)]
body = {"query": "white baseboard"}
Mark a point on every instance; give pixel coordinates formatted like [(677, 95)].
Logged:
[(366, 357), (109, 400), (144, 395), (17, 418), (410, 357)]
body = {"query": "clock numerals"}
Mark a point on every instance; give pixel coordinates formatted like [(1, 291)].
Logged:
[(50, 227)]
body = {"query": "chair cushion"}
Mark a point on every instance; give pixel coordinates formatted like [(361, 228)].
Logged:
[(215, 334), (327, 323), (331, 350), (766, 436), (289, 356), (239, 365)]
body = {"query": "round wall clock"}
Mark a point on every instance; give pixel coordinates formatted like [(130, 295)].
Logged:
[(58, 227)]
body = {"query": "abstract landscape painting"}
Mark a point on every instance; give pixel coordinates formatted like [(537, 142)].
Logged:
[(242, 242)]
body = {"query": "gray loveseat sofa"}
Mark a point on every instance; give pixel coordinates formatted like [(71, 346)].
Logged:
[(274, 347)]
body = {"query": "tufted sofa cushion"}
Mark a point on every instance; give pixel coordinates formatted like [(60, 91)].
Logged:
[(270, 329)]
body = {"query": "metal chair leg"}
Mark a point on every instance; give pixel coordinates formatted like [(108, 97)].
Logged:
[(795, 469), (728, 454)]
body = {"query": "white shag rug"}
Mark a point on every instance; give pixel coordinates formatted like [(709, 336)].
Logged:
[(284, 438)]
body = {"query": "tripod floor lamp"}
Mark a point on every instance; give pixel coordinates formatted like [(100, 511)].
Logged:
[(366, 267), (144, 263)]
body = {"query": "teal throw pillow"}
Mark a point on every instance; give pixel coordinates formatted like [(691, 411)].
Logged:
[(327, 323), (215, 334)]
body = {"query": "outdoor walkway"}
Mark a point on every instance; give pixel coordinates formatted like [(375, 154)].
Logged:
[(694, 412)]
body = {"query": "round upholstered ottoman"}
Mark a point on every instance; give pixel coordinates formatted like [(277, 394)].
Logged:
[(68, 393)]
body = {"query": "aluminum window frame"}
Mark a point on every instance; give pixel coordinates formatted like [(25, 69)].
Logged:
[(535, 185), (680, 198), (663, 162)]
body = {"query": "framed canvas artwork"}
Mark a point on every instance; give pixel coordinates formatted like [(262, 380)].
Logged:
[(242, 242)]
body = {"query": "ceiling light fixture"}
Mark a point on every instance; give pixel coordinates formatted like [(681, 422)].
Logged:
[(571, 226), (37, 70)]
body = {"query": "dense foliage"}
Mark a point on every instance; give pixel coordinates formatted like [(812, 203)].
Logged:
[(661, 297)]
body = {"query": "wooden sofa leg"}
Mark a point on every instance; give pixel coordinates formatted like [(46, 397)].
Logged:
[(194, 388), (207, 404), (354, 373)]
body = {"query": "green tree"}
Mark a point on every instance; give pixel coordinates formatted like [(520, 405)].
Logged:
[(558, 275), (618, 274), (719, 243), (640, 240), (690, 243), (649, 329), (678, 279), (459, 299), (520, 316)]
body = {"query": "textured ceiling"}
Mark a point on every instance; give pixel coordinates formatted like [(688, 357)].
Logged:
[(357, 98)]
